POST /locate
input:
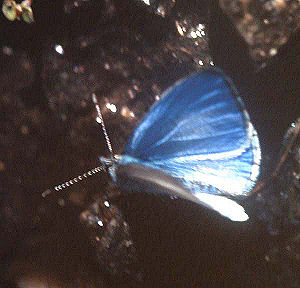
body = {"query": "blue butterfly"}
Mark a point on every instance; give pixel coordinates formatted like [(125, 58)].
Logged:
[(196, 143)]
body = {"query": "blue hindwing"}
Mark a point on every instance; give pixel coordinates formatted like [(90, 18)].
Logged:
[(200, 134)]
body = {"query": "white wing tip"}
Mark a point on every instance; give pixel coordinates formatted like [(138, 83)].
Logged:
[(226, 207)]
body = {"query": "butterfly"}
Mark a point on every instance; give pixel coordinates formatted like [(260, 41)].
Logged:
[(196, 143)]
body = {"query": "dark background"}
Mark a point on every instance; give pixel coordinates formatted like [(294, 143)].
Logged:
[(177, 245)]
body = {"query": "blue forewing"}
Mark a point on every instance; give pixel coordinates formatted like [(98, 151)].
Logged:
[(199, 134)]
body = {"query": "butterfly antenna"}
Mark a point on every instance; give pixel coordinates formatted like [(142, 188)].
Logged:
[(100, 120), (74, 180), (90, 172)]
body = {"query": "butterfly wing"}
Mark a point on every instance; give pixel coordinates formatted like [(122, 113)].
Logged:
[(200, 134), (136, 177)]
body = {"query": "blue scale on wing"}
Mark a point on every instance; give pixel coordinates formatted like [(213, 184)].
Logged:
[(200, 134)]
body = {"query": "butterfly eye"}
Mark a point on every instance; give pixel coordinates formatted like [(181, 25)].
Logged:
[(27, 15), (9, 10)]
